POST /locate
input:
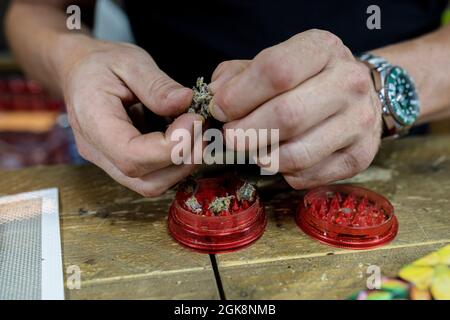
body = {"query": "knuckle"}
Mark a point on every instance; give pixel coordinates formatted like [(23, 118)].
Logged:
[(299, 182), (151, 191), (351, 163), (287, 116), (290, 158), (368, 119), (128, 167), (274, 67), (297, 158), (83, 152), (294, 182), (330, 39), (356, 162), (326, 38), (358, 79), (221, 68), (159, 87), (226, 100)]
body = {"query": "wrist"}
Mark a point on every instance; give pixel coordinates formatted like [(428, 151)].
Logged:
[(68, 50)]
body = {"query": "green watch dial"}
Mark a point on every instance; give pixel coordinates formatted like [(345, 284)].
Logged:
[(401, 96)]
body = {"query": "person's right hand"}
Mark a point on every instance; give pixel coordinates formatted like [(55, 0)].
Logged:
[(97, 84)]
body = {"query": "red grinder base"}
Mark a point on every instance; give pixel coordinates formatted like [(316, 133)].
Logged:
[(216, 233), (348, 217)]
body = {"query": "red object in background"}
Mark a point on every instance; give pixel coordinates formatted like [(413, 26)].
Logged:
[(348, 217), (19, 94), (215, 234), (33, 127)]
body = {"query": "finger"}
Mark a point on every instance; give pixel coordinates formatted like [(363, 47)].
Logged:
[(121, 143), (305, 151), (155, 183), (150, 185), (297, 110), (340, 165), (225, 71), (155, 89), (276, 70)]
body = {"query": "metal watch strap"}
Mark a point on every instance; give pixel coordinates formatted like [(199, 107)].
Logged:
[(380, 66)]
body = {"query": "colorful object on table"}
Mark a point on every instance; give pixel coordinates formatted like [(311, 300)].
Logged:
[(431, 273), (390, 289), (223, 223), (347, 216), (425, 279)]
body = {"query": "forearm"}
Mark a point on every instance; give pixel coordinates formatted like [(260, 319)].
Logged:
[(40, 40), (427, 60)]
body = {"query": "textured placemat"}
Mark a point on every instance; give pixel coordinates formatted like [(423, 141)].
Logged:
[(30, 246)]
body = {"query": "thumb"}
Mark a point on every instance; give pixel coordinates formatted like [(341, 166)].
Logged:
[(189, 139), (154, 88)]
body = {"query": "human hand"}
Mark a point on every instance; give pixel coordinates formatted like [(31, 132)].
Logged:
[(317, 94), (98, 84)]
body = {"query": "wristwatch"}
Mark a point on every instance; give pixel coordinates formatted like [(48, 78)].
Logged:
[(397, 93)]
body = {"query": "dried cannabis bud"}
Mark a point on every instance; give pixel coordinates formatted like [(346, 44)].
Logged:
[(201, 100), (220, 204), (193, 205), (246, 192)]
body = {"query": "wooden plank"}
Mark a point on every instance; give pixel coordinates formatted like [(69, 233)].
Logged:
[(316, 277), (413, 173), (117, 238)]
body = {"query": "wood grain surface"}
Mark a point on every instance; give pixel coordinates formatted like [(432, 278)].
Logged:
[(120, 240), (117, 238), (413, 173)]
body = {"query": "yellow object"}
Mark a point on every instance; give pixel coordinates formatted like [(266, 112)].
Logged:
[(431, 272), (420, 276), (32, 121)]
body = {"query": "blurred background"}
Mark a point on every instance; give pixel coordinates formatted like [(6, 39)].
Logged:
[(33, 125), (34, 129)]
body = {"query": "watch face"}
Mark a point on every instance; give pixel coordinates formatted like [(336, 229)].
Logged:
[(401, 96)]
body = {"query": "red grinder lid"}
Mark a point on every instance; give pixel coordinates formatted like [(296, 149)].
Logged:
[(347, 216)]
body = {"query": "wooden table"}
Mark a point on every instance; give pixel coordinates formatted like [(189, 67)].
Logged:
[(120, 240)]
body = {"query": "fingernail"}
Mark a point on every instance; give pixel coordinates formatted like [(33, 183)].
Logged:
[(200, 118), (217, 112), (212, 87)]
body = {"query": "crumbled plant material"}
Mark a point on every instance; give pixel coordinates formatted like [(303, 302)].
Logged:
[(217, 201), (246, 192), (201, 99), (220, 204), (193, 205)]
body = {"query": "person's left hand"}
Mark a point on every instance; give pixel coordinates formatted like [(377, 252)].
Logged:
[(317, 94)]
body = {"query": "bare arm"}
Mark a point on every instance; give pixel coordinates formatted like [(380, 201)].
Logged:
[(427, 59), (98, 79), (40, 40)]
